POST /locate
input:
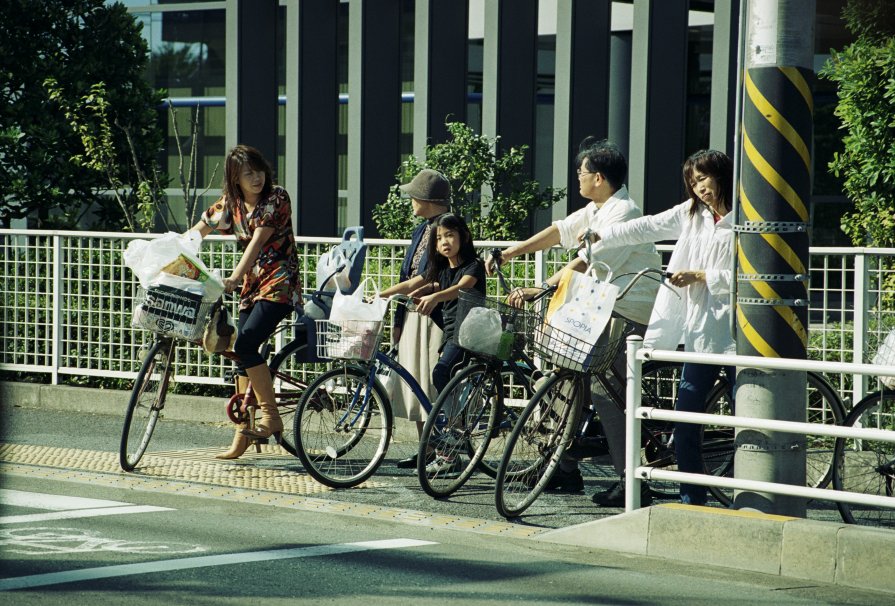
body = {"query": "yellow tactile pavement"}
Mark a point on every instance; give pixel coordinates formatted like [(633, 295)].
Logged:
[(268, 477)]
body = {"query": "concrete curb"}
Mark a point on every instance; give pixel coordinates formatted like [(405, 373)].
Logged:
[(197, 409), (827, 552)]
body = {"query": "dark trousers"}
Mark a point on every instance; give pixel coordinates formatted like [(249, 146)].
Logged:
[(612, 417), (697, 381), (256, 324), (453, 357)]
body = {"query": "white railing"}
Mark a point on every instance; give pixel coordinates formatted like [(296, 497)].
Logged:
[(635, 473), (67, 302)]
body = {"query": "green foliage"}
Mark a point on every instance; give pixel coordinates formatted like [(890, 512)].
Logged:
[(50, 161), (491, 191), (865, 75)]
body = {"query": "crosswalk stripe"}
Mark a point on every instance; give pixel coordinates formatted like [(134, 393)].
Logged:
[(106, 572)]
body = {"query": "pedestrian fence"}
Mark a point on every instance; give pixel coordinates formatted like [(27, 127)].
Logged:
[(67, 300), (635, 473)]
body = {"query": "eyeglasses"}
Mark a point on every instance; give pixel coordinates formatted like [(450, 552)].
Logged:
[(580, 172)]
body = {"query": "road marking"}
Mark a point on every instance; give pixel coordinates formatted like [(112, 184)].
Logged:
[(107, 572), (55, 502), (65, 508), (73, 514), (46, 540)]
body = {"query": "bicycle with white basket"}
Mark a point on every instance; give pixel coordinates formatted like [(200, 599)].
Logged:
[(868, 466)]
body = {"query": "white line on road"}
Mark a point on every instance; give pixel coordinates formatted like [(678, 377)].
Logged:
[(27, 518), (55, 502), (106, 572)]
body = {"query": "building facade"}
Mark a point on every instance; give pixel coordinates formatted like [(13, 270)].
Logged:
[(338, 92)]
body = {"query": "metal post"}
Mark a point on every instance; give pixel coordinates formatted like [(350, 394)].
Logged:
[(658, 100), (312, 115), (57, 309), (581, 104), (772, 256), (862, 309), (632, 424), (374, 106)]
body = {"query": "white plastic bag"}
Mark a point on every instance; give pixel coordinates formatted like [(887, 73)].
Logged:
[(885, 356), (333, 262), (173, 254), (480, 331), (353, 307)]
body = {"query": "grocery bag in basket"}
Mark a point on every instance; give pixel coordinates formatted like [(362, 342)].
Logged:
[(353, 307), (170, 310), (885, 356), (481, 331), (577, 324), (172, 254)]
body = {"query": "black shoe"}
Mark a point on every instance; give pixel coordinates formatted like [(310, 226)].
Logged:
[(587, 447), (565, 481), (408, 463), (615, 496)]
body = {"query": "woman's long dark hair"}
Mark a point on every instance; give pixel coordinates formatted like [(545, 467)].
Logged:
[(437, 262), (238, 157), (718, 166)]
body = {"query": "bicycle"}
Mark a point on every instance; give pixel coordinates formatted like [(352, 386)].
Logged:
[(478, 406), (868, 466), (343, 424), (534, 452), (550, 421), (182, 318)]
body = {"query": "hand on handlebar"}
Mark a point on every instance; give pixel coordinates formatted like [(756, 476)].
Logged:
[(518, 296), (588, 236), (686, 278), (231, 284), (493, 261)]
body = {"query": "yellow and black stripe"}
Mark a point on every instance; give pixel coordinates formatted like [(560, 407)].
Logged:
[(774, 193)]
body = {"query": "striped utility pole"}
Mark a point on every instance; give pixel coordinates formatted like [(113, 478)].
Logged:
[(772, 253)]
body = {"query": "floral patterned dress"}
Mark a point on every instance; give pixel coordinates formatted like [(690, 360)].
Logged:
[(274, 276)]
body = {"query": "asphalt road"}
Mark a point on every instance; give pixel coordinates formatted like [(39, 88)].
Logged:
[(160, 546)]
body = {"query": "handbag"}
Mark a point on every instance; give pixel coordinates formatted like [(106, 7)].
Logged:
[(220, 333)]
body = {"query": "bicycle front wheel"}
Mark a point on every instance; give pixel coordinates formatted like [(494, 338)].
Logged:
[(517, 392), (542, 433), (460, 423), (146, 402), (867, 466), (342, 427)]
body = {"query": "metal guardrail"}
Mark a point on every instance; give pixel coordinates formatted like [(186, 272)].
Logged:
[(635, 473), (67, 299)]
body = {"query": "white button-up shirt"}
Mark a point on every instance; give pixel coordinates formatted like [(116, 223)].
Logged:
[(702, 245), (625, 259)]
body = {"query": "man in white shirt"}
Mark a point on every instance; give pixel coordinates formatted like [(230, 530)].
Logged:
[(602, 169)]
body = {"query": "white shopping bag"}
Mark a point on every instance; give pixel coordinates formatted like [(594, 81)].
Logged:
[(353, 307), (587, 310), (172, 254)]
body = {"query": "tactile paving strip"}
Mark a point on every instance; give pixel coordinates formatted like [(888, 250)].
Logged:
[(197, 473)]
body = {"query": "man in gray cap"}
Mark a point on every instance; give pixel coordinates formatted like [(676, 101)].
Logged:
[(430, 196)]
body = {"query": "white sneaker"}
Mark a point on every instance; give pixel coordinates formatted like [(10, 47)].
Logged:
[(443, 464)]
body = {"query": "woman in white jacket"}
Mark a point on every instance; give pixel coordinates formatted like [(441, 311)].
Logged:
[(701, 274)]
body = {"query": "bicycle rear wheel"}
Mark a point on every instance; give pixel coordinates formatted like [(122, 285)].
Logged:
[(342, 427), (517, 392), (146, 402), (542, 433), (719, 449), (461, 422), (867, 466), (288, 390)]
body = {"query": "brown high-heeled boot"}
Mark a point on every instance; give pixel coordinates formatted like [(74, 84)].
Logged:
[(239, 445), (269, 424)]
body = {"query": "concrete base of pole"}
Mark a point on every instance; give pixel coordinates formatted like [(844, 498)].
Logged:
[(771, 456)]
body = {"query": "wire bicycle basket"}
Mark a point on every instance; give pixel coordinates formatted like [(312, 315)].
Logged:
[(171, 312), (349, 339), (493, 329), (573, 353)]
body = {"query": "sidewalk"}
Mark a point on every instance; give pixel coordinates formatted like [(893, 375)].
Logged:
[(820, 551)]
